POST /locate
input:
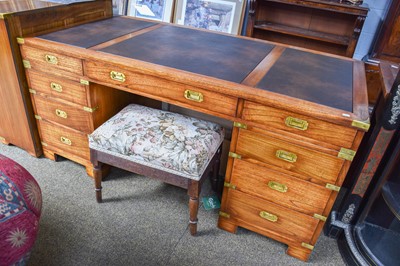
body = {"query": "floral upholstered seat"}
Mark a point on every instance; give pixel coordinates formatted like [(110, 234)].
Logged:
[(171, 142), (177, 149)]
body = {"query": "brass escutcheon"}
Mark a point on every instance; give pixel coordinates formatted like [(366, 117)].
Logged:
[(66, 141), (51, 59), (56, 87), (61, 113)]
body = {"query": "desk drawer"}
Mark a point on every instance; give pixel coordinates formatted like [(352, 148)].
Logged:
[(162, 89), (58, 88), (59, 138), (282, 189), (49, 62), (313, 165), (62, 113), (270, 219), (274, 119)]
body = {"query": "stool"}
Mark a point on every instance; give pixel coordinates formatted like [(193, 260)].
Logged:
[(173, 148), (20, 209)]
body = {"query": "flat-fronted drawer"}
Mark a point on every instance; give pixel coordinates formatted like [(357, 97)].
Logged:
[(62, 113), (64, 139), (285, 190), (270, 219), (50, 62), (274, 119), (313, 165), (58, 87), (165, 90)]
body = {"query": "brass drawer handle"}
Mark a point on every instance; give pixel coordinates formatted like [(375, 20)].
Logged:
[(56, 87), (61, 113), (51, 59), (194, 96), (66, 141), (277, 186), (118, 76), (268, 216), (286, 156), (296, 123)]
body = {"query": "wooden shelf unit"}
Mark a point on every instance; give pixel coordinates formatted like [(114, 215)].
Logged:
[(327, 26)]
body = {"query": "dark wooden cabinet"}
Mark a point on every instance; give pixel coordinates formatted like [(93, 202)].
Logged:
[(21, 18), (326, 25), (387, 44)]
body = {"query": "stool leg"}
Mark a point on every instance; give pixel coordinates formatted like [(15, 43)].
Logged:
[(97, 174), (193, 210)]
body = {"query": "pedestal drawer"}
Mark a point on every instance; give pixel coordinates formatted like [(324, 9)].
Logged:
[(269, 219), (61, 138), (57, 87), (274, 119), (51, 62), (313, 165), (285, 190), (64, 114)]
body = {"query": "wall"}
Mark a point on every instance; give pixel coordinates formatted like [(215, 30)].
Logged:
[(376, 15)]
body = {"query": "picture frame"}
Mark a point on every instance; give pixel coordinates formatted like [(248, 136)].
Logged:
[(160, 10), (218, 15)]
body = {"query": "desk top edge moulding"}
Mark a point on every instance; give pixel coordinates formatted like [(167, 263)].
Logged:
[(298, 115), (22, 18)]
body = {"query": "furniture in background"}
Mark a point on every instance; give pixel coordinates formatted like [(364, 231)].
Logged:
[(369, 215), (298, 144), (331, 26), (387, 42), (176, 149), (19, 18), (20, 209)]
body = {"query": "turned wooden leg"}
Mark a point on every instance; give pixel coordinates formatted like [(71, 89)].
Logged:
[(97, 174), (193, 210)]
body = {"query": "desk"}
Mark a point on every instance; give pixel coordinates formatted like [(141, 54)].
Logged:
[(298, 116)]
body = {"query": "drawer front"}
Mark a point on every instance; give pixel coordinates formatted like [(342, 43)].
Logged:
[(64, 139), (274, 119), (58, 88), (270, 219), (64, 114), (285, 190), (49, 62), (165, 90), (313, 165)]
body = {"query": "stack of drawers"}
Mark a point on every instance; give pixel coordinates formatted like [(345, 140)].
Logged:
[(283, 175), (66, 107)]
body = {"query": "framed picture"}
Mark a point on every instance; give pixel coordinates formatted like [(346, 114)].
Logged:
[(219, 15), (160, 10)]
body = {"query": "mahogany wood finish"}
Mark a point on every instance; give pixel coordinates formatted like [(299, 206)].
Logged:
[(294, 138), (388, 40), (331, 26), (99, 159), (21, 18)]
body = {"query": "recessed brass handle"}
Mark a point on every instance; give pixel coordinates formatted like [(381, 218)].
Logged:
[(194, 96), (51, 59), (286, 156), (268, 216), (56, 87), (296, 123), (66, 141), (277, 186), (61, 113), (118, 76)]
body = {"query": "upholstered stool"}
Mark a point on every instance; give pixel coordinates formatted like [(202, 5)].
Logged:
[(174, 148), (20, 208)]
